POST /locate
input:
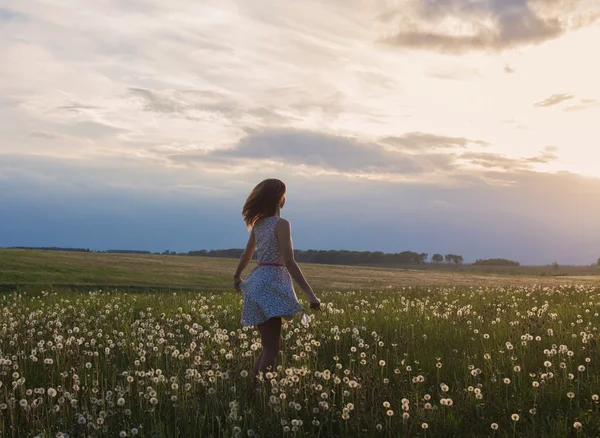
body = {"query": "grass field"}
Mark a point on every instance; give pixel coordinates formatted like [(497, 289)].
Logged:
[(22, 268), (394, 353)]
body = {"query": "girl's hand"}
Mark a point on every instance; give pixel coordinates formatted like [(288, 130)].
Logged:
[(236, 283), (315, 304)]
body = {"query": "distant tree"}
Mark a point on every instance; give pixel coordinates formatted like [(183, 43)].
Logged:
[(496, 262), (438, 258), (453, 258), (423, 257), (555, 266), (598, 263)]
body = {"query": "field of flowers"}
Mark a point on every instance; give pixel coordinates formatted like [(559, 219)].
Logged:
[(437, 362)]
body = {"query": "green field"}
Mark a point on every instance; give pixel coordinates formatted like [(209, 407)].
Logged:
[(23, 268), (95, 345)]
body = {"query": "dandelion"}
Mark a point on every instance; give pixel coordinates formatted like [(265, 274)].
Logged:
[(514, 417), (424, 426), (389, 413), (494, 426), (571, 394), (577, 425)]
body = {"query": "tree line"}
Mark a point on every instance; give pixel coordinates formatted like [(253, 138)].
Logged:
[(344, 257), (496, 262), (332, 257)]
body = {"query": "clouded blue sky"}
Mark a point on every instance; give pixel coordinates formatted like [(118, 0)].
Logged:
[(435, 125)]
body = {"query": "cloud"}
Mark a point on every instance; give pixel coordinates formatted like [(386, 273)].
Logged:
[(321, 151), (8, 15), (583, 104), (416, 156), (491, 160), (555, 99), (183, 102), (458, 26), (423, 142)]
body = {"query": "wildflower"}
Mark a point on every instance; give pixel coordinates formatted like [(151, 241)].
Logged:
[(514, 417), (577, 425), (494, 426)]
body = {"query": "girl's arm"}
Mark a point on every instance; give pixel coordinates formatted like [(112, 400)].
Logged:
[(244, 260), (283, 232)]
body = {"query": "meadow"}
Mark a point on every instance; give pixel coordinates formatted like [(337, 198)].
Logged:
[(393, 353)]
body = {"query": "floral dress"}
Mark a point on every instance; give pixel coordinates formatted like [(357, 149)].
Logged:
[(268, 290)]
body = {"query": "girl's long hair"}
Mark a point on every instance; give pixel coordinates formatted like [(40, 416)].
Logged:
[(263, 201)]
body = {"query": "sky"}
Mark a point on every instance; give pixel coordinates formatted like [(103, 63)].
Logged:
[(451, 126)]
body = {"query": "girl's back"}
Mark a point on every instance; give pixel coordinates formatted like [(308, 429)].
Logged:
[(267, 245)]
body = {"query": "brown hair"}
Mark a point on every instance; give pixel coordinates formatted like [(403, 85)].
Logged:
[(263, 201)]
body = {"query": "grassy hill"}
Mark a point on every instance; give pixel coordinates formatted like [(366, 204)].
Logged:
[(24, 268)]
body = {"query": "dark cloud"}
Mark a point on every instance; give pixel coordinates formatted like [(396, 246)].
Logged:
[(342, 154), (491, 160), (422, 141), (555, 99), (513, 23), (413, 155)]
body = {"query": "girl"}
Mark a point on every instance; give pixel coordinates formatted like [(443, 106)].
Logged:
[(268, 290)]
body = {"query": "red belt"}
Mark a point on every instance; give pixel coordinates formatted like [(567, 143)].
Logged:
[(270, 264)]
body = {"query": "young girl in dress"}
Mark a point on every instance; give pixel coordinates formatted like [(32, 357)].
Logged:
[(268, 290)]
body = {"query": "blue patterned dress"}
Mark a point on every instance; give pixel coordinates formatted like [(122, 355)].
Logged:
[(268, 290)]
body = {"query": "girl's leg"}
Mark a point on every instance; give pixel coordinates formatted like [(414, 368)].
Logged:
[(253, 377), (256, 366), (270, 337)]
